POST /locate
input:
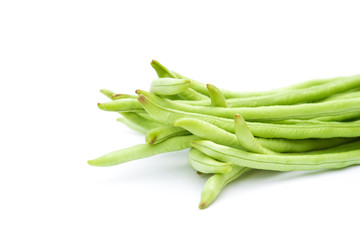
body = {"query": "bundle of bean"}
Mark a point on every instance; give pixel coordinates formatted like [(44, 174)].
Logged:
[(308, 126)]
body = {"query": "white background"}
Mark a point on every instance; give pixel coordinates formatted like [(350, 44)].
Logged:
[(56, 55)]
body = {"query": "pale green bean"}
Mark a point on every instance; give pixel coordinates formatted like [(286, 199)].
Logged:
[(142, 151), (298, 162), (205, 164), (161, 133)]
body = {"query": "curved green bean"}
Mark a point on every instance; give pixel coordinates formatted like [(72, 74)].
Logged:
[(267, 113), (264, 130), (208, 131), (142, 151), (246, 138), (122, 105), (116, 96), (201, 87), (161, 133), (205, 164), (300, 95), (216, 96), (298, 162), (169, 86), (188, 94), (216, 183), (107, 92)]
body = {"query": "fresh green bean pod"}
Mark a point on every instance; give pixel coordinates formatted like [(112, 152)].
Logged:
[(351, 93), (216, 183), (216, 96), (122, 105), (195, 103), (116, 96), (188, 94), (208, 131), (298, 162), (169, 86), (301, 95), (107, 92), (162, 133), (246, 138), (264, 130), (350, 146), (191, 94), (340, 118), (205, 164), (267, 113), (142, 151), (201, 87)]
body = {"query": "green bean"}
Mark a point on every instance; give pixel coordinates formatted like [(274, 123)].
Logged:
[(191, 94), (265, 130), (142, 151), (188, 94), (161, 71), (208, 131), (160, 134), (107, 92), (301, 95), (200, 87), (169, 86), (267, 113), (122, 105), (352, 93), (194, 102), (116, 96), (350, 146), (298, 162), (246, 138), (216, 183), (139, 121), (205, 164), (217, 98)]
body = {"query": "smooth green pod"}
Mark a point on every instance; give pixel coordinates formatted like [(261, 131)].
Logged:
[(188, 94), (161, 133), (205, 164), (169, 86), (216, 96), (208, 131), (267, 113), (116, 96), (161, 71), (201, 87), (284, 162), (142, 151), (122, 105), (216, 183), (316, 129), (246, 138), (107, 92), (300, 95)]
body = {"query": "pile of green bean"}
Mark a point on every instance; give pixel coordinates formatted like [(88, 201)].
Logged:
[(307, 126)]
